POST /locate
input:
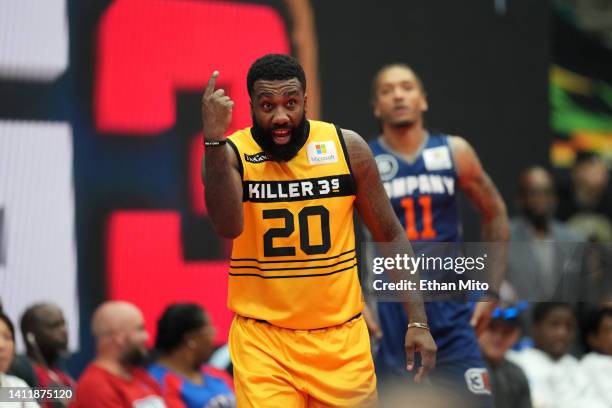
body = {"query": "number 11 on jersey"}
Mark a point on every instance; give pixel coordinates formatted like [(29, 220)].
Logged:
[(428, 231)]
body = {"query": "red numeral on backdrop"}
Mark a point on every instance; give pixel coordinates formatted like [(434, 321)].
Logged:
[(428, 231), (146, 267), (149, 49)]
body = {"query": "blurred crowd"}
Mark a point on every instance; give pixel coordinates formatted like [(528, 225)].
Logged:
[(124, 373), (561, 236), (563, 359), (549, 343)]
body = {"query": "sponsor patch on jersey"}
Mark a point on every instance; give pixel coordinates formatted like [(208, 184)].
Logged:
[(477, 380), (257, 157), (297, 190), (387, 166), (437, 158), (322, 152)]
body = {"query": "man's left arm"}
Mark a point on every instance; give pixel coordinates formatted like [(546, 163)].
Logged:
[(481, 191), (376, 212)]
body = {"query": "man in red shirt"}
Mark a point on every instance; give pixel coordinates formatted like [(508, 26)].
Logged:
[(115, 379)]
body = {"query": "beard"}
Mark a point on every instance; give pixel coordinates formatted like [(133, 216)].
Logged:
[(538, 220), (286, 152), (134, 356), (55, 353)]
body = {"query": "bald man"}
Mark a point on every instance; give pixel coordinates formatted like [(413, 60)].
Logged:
[(114, 378), (545, 255)]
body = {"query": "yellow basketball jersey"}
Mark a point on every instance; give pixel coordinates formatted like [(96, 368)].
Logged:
[(295, 265)]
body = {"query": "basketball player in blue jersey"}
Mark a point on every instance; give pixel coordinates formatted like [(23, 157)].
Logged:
[(422, 173)]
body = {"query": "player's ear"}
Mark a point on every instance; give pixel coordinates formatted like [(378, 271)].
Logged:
[(374, 103), (424, 103), (376, 111), (119, 338), (188, 340)]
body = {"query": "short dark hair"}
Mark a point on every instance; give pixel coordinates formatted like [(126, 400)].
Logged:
[(29, 320), (177, 320), (594, 320), (542, 309), (374, 88), (275, 67), (586, 157), (8, 322)]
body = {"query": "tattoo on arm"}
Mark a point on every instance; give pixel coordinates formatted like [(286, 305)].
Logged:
[(480, 189)]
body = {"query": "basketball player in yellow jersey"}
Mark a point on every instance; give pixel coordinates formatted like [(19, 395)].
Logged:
[(284, 190)]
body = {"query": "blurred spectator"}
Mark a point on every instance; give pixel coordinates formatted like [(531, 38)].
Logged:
[(598, 255), (221, 359), (426, 396), (595, 227), (598, 363), (7, 352), (556, 378), (185, 341), (545, 256), (589, 190), (115, 378), (510, 387), (43, 328)]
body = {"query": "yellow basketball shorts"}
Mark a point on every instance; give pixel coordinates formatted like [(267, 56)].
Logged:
[(283, 368)]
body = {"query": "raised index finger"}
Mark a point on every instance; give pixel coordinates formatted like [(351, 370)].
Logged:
[(210, 87)]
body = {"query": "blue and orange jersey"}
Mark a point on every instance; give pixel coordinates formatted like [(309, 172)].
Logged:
[(423, 192), (216, 389)]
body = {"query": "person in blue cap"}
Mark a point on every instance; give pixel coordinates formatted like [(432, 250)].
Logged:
[(510, 387)]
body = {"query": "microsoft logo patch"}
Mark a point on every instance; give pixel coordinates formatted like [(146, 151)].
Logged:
[(322, 152)]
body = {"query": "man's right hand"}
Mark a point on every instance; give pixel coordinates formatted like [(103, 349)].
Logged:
[(216, 110), (419, 340)]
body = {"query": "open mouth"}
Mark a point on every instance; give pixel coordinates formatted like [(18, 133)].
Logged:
[(281, 136)]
